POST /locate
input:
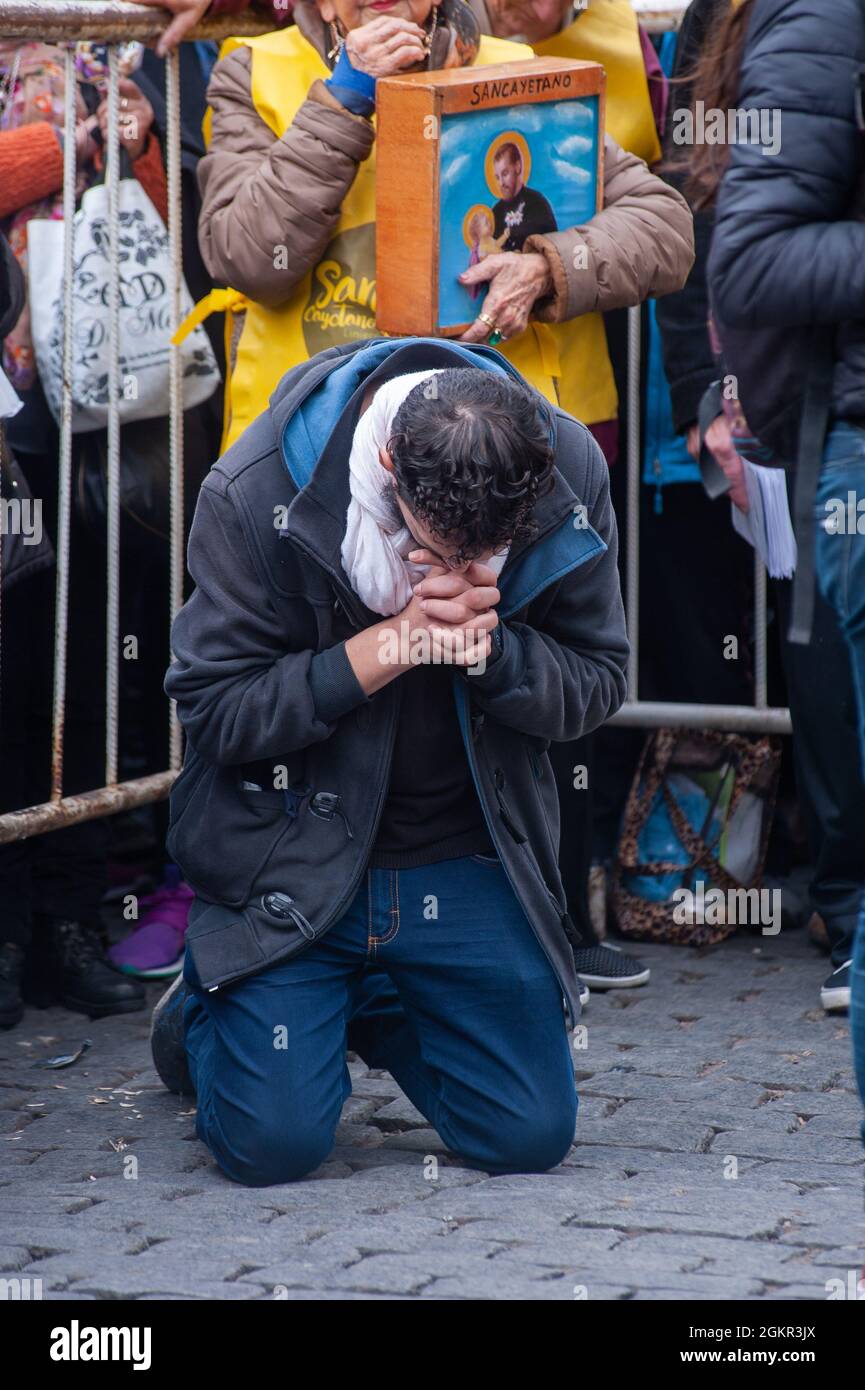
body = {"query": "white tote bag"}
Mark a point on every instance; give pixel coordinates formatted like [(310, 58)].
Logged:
[(145, 312)]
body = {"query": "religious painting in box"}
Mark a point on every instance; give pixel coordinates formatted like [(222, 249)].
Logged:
[(474, 161)]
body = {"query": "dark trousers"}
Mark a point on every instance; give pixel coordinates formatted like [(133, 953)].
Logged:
[(829, 781), (576, 812), (841, 576), (62, 873), (433, 974)]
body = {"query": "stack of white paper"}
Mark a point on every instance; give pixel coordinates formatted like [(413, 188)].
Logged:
[(767, 526), (10, 401)]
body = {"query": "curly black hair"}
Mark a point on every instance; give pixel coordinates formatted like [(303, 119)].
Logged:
[(472, 452)]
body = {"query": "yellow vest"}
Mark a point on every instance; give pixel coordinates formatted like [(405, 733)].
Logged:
[(608, 33), (335, 301)]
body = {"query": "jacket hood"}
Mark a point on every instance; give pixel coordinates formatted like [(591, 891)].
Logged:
[(313, 412), (305, 411)]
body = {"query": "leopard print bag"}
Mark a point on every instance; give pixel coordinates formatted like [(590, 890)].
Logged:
[(695, 829)]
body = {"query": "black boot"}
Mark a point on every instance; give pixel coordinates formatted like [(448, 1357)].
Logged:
[(167, 1040), (11, 970), (68, 966)]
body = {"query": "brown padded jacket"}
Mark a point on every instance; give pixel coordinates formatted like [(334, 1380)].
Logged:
[(259, 192)]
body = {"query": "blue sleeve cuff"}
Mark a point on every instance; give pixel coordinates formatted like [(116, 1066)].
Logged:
[(353, 89)]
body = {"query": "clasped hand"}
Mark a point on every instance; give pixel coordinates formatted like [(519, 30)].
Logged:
[(446, 601)]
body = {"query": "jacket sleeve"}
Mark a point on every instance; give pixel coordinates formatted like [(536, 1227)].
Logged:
[(149, 170), (640, 244), (240, 694), (31, 165), (690, 365), (563, 678), (260, 193), (786, 250)]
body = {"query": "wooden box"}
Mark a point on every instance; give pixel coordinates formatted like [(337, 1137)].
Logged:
[(470, 161)]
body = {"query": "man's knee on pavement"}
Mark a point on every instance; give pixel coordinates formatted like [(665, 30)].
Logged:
[(537, 1148), (531, 1142), (263, 1153)]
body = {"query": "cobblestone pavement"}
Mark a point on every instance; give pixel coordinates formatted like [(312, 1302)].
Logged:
[(716, 1156)]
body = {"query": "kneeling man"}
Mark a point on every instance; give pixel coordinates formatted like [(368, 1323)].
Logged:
[(406, 587)]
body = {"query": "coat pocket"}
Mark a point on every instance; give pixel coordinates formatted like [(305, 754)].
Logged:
[(226, 833), (183, 790), (228, 944), (536, 749)]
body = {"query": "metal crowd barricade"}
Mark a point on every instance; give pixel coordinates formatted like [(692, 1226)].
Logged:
[(113, 21), (65, 22), (758, 718)]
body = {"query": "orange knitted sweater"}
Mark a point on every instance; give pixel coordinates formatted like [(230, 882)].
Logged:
[(31, 167)]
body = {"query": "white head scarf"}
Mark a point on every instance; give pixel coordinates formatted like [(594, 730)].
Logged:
[(376, 540)]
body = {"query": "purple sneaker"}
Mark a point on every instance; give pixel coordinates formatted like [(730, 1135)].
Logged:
[(153, 950)]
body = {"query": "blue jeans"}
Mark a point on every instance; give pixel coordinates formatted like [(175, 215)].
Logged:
[(452, 994), (841, 576)]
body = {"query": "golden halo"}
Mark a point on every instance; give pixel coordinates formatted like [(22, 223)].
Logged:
[(467, 221), (507, 137)]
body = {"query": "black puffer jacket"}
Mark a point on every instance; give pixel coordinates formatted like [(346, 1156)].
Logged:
[(789, 246)]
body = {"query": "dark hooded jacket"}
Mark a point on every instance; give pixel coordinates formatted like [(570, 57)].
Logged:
[(266, 693), (788, 254)]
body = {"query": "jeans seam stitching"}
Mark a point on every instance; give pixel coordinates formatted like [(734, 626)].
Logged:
[(393, 911)]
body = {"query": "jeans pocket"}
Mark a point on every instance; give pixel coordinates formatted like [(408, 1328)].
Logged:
[(845, 448), (492, 861)]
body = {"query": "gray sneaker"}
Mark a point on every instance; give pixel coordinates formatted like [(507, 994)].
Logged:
[(835, 994), (608, 967), (167, 1039)]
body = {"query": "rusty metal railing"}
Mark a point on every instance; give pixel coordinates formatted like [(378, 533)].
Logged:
[(758, 718), (112, 21), (636, 713), (106, 21), (64, 23)]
